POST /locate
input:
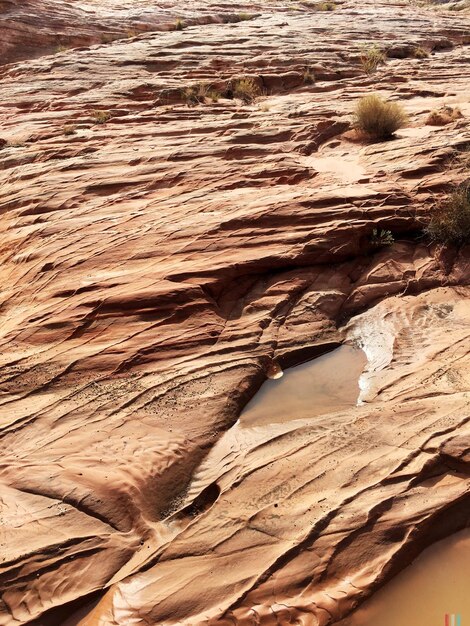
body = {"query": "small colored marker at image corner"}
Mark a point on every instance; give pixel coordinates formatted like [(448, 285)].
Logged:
[(452, 619)]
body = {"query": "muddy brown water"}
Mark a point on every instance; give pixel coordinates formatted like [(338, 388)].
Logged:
[(436, 584), (326, 384)]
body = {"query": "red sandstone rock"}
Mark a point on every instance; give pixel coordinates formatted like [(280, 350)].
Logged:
[(156, 265)]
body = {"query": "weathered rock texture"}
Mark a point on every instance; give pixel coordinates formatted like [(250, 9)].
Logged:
[(33, 27), (154, 268)]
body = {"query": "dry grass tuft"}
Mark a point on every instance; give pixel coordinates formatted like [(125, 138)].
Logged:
[(308, 76), (200, 93), (100, 117), (444, 115), (450, 220), (245, 89), (179, 24), (378, 118), (420, 53), (69, 129), (371, 57), (327, 5)]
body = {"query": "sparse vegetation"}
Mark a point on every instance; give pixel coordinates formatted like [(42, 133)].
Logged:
[(371, 57), (100, 117), (308, 76), (450, 220), (213, 95), (69, 129), (444, 115), (420, 52), (179, 24), (320, 6), (244, 17), (235, 18), (194, 94), (245, 89), (61, 48), (378, 118), (265, 107), (108, 37), (381, 238), (200, 93), (462, 158)]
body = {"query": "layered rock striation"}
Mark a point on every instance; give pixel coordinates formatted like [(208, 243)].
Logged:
[(160, 255)]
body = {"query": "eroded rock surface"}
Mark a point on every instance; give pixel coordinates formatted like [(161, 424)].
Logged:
[(159, 259)]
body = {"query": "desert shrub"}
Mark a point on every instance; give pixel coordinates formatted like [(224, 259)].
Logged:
[(420, 52), (308, 76), (381, 238), (200, 93), (319, 6), (444, 115), (245, 89), (213, 95), (69, 129), (244, 17), (100, 117), (235, 18), (461, 158), (179, 24), (378, 118), (450, 219), (371, 57), (195, 94)]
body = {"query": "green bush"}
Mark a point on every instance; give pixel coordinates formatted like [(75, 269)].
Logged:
[(378, 118), (381, 238)]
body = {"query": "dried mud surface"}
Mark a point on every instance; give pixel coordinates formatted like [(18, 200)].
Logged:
[(158, 266)]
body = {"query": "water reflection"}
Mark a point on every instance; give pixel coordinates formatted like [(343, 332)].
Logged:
[(328, 383), (436, 584)]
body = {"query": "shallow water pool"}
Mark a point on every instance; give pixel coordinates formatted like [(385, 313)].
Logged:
[(326, 384), (433, 591)]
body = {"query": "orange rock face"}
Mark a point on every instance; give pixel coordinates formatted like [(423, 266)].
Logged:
[(161, 257)]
